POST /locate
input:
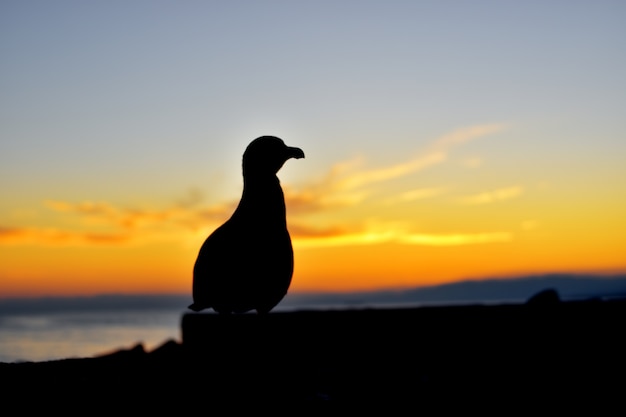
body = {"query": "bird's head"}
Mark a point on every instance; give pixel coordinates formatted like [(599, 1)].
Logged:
[(267, 154)]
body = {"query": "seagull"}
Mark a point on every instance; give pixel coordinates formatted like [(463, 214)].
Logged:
[(247, 263)]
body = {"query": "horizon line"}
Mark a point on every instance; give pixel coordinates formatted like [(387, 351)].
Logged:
[(475, 282), (513, 277)]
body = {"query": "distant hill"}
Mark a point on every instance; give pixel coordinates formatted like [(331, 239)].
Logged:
[(569, 287)]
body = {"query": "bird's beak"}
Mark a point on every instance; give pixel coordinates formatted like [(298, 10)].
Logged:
[(293, 152)]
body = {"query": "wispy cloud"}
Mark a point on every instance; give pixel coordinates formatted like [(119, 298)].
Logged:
[(382, 235), (103, 213), (456, 239), (55, 237), (463, 135), (345, 185), (303, 236), (102, 223), (435, 154), (492, 196), (348, 184), (383, 174), (418, 194)]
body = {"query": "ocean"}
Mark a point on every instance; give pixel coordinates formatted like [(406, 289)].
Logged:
[(52, 329), (53, 335), (79, 334), (35, 336)]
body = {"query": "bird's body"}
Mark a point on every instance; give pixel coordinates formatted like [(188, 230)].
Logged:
[(247, 263)]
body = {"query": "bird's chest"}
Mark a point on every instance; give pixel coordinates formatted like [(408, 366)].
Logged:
[(261, 235), (256, 234), (264, 240)]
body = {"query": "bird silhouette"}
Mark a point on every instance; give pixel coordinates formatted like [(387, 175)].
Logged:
[(247, 263)]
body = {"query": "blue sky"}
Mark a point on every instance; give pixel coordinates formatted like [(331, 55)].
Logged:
[(162, 78)]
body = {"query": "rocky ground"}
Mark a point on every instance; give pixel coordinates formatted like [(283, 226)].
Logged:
[(542, 355)]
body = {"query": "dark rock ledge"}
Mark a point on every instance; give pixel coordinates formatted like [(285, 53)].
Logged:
[(539, 354)]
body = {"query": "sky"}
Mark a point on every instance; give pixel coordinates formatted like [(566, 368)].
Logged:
[(444, 140)]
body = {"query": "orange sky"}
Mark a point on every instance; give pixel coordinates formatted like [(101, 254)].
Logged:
[(353, 229), (443, 142)]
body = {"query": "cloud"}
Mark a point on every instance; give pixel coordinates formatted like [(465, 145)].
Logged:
[(346, 184), (303, 236), (463, 135), (102, 223), (347, 239), (55, 237), (492, 196), (418, 194), (318, 197), (102, 213), (370, 237), (340, 188), (303, 231), (435, 154), (383, 174), (456, 239)]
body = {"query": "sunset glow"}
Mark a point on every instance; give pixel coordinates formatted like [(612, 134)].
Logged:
[(432, 155)]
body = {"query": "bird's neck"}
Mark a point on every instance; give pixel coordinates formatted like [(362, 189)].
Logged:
[(263, 198)]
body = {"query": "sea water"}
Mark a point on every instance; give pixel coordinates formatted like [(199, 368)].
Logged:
[(27, 336), (35, 335), (65, 329), (61, 335)]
